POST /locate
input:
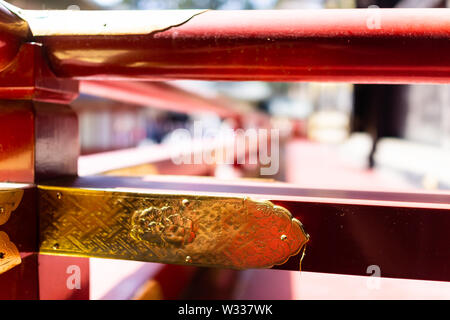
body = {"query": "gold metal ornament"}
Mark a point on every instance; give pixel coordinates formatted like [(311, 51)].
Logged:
[(9, 254), (228, 232), (9, 201)]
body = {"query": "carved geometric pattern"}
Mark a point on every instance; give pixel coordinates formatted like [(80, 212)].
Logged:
[(199, 230), (9, 254)]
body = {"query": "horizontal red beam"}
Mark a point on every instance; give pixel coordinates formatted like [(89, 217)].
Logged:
[(358, 45)]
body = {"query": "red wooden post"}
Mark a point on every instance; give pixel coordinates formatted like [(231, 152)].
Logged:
[(38, 141)]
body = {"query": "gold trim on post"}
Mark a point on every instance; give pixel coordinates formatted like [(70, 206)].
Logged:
[(227, 232)]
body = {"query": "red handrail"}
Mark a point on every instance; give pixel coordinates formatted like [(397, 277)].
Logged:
[(358, 45)]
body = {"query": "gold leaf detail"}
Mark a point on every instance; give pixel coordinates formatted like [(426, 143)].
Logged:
[(9, 254)]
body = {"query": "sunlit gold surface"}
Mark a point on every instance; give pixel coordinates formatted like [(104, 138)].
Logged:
[(9, 254), (197, 230), (9, 201)]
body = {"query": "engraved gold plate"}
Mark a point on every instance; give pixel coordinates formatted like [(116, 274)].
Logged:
[(9, 201), (9, 255), (210, 231)]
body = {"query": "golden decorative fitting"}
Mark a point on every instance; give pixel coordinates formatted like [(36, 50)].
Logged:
[(151, 290), (9, 201), (209, 231), (9, 255)]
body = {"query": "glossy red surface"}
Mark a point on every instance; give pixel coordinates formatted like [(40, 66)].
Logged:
[(38, 140), (22, 224), (361, 46), (403, 234), (57, 141), (21, 282)]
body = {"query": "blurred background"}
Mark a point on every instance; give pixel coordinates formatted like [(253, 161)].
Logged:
[(340, 136)]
